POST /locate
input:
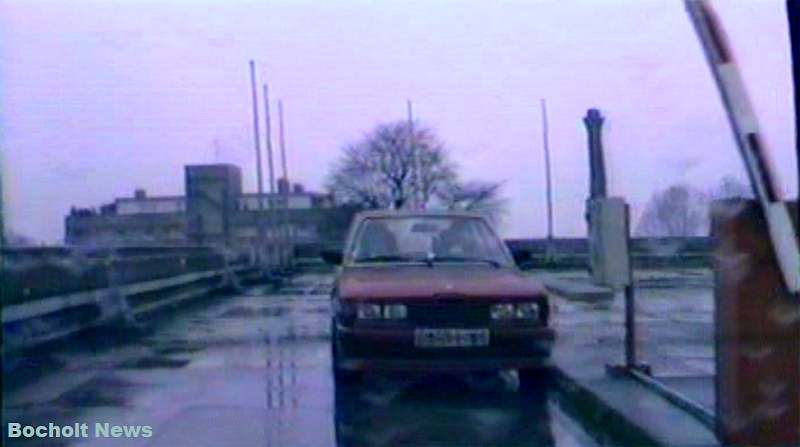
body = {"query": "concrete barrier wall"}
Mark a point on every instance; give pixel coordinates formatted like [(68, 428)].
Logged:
[(646, 252), (573, 253), (31, 274), (48, 294), (38, 321)]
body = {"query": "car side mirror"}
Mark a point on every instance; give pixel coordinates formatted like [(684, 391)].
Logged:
[(522, 256), (333, 257)]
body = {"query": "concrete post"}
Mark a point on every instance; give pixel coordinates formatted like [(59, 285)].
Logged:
[(597, 176), (116, 305), (597, 169)]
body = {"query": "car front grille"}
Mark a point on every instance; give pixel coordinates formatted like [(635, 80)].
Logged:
[(450, 314)]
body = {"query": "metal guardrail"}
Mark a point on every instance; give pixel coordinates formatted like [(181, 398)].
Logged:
[(35, 322), (35, 273), (45, 306), (701, 413)]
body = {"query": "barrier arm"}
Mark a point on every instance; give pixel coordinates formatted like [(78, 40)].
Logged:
[(744, 125)]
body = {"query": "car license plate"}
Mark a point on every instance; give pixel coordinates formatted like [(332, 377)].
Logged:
[(450, 338)]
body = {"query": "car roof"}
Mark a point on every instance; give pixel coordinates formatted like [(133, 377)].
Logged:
[(418, 213)]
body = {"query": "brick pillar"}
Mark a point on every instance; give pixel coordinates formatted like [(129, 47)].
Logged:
[(757, 333)]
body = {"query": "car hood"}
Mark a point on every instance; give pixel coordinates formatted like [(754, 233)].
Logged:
[(401, 282)]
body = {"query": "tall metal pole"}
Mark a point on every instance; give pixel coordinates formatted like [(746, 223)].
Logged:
[(282, 141), (417, 177), (257, 142), (546, 144), (271, 220), (268, 131)]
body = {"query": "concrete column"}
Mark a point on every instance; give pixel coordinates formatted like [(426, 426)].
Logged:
[(597, 169)]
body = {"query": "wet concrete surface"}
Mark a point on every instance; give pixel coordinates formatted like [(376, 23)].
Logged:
[(674, 323), (254, 370)]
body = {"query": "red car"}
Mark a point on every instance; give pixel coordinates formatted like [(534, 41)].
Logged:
[(428, 292)]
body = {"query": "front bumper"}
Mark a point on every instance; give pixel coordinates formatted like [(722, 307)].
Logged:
[(392, 349)]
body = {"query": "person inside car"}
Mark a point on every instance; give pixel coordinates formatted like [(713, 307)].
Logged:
[(455, 241), (378, 241)]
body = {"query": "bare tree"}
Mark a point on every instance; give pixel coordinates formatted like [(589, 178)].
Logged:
[(482, 197), (14, 239), (731, 187), (678, 211), (377, 172)]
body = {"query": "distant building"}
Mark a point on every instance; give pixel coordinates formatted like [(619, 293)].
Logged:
[(141, 204), (214, 211)]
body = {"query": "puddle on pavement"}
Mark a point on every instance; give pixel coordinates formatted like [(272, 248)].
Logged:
[(254, 312), (290, 290), (98, 392), (178, 350), (155, 362), (304, 289), (301, 338), (174, 346), (27, 363), (318, 310), (691, 351), (442, 410)]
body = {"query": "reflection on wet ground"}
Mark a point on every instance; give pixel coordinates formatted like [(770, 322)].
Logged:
[(254, 369), (442, 411)]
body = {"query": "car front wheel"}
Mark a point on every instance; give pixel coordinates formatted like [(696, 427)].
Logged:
[(535, 379), (341, 376)]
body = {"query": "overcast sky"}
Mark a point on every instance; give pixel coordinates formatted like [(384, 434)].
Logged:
[(99, 98)]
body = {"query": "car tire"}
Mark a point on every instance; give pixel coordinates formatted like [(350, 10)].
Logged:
[(341, 376), (535, 380)]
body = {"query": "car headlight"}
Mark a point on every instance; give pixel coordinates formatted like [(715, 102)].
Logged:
[(394, 311), (366, 311), (502, 311), (527, 310), (369, 311)]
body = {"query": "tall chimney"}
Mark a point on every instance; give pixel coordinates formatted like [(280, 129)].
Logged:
[(597, 169)]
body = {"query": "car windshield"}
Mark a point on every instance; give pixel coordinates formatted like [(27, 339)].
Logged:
[(427, 239)]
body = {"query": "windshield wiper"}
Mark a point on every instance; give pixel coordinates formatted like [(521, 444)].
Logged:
[(384, 258), (491, 262)]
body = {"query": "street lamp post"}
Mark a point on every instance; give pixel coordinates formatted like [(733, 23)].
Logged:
[(285, 195), (260, 185), (548, 178)]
